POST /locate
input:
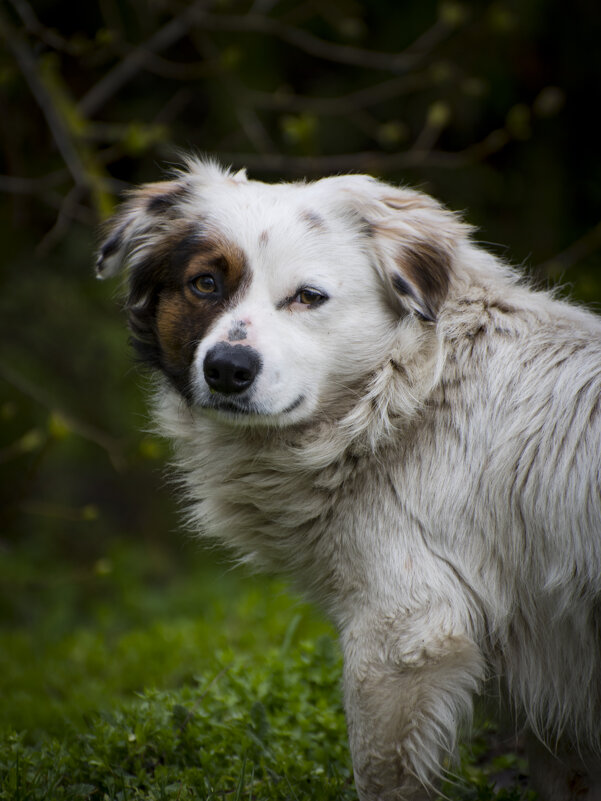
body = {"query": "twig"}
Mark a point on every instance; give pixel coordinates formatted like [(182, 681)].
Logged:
[(195, 16), (427, 137), (123, 72), (578, 250), (22, 185), (61, 225), (345, 104), (177, 70), (33, 25), (368, 160), (60, 133), (255, 130), (174, 106), (328, 51), (263, 6), (112, 446), (250, 123)]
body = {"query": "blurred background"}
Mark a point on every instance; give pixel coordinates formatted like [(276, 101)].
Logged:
[(490, 106)]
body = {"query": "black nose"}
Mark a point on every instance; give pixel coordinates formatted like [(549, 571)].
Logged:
[(231, 368)]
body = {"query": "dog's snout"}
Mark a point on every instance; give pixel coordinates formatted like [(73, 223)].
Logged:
[(231, 368)]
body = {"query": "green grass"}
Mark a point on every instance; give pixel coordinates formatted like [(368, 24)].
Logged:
[(142, 676)]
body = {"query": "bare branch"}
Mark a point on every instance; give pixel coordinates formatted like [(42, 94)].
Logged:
[(429, 134), (578, 250), (66, 213), (329, 51), (60, 133), (125, 70), (34, 26), (177, 70), (29, 186), (143, 57), (18, 185), (368, 161), (113, 447), (263, 6), (24, 185), (344, 104), (250, 123), (174, 106), (255, 130)]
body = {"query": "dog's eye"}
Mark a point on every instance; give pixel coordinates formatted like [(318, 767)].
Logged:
[(203, 285), (309, 297)]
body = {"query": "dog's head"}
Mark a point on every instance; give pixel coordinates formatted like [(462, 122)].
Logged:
[(263, 302)]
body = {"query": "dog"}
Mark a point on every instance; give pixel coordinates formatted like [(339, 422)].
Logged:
[(364, 399)]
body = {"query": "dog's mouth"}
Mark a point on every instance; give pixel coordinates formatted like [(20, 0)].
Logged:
[(246, 408)]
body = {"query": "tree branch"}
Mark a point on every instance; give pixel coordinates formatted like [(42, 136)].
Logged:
[(329, 51), (345, 104), (125, 70), (60, 133), (34, 26), (196, 16), (368, 161), (113, 447), (578, 250)]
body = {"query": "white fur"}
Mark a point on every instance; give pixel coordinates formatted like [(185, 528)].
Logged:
[(437, 490)]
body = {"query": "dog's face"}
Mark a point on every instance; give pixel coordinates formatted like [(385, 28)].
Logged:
[(262, 302)]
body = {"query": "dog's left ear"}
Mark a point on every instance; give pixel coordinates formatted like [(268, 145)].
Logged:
[(411, 238)]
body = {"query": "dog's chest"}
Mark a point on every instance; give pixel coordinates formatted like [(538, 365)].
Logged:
[(324, 526)]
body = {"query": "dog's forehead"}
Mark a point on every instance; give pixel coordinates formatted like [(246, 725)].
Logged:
[(280, 229), (257, 213)]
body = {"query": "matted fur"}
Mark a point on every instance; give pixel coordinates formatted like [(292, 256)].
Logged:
[(420, 450)]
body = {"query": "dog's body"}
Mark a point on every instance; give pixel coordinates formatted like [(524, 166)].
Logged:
[(362, 398)]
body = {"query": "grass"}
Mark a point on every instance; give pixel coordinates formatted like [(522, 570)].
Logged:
[(142, 676)]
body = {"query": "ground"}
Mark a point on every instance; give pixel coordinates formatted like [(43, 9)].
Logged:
[(139, 678)]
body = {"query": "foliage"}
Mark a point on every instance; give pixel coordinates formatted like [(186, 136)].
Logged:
[(175, 707), (124, 694)]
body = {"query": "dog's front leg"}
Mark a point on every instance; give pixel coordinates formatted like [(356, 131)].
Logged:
[(407, 688)]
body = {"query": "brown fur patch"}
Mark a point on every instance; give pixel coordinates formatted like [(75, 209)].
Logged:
[(428, 268), (424, 268), (424, 272), (168, 319)]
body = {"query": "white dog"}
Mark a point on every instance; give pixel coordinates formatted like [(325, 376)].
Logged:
[(363, 398)]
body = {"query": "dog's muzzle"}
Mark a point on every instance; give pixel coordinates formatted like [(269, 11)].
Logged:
[(231, 369)]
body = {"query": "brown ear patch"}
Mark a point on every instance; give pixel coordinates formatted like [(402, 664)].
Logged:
[(426, 269)]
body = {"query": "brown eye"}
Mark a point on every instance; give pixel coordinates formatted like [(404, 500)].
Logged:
[(309, 297), (203, 285)]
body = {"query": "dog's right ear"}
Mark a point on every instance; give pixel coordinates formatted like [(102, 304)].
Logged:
[(144, 211), (114, 247)]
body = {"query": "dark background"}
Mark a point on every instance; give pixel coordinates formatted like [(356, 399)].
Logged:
[(489, 106)]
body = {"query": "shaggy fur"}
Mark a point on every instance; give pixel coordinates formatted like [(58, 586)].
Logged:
[(361, 397)]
